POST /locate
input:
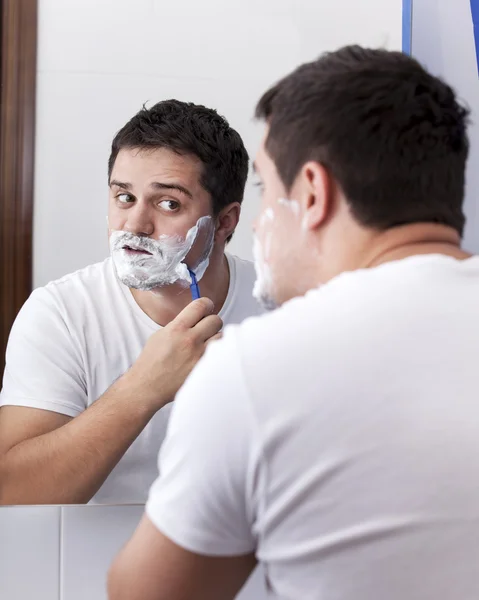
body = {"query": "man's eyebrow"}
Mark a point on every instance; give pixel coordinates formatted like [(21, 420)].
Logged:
[(171, 186), (157, 185), (120, 184)]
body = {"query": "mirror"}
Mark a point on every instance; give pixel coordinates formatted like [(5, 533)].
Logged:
[(98, 63)]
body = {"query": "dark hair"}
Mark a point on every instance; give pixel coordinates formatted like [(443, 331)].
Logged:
[(393, 136), (188, 128)]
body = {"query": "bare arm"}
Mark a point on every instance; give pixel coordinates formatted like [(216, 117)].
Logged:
[(69, 463), (197, 542), (46, 458), (152, 567)]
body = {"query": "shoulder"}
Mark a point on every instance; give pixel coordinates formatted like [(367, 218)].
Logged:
[(317, 321), (71, 294), (92, 286), (244, 268), (93, 276), (339, 321), (216, 385)]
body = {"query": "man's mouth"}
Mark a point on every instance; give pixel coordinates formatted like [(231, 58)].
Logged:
[(135, 251)]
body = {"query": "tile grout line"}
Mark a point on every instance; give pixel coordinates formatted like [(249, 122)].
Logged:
[(60, 562)]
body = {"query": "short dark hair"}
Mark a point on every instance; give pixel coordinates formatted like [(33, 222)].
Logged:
[(188, 128), (393, 136)]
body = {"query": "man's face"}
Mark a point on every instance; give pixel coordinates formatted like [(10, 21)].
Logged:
[(156, 201), (278, 238)]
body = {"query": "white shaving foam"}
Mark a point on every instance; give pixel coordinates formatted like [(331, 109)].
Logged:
[(293, 205), (268, 215), (164, 264), (262, 290)]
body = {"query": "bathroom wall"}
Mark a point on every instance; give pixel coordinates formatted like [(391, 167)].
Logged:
[(64, 552)]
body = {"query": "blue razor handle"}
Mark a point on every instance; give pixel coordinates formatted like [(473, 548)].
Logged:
[(195, 290)]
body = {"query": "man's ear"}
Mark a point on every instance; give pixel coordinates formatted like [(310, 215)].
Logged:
[(315, 189), (227, 221)]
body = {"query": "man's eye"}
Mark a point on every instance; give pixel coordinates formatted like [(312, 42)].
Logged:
[(169, 205), (125, 198)]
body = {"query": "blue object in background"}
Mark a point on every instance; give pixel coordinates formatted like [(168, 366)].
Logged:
[(407, 26), (475, 24)]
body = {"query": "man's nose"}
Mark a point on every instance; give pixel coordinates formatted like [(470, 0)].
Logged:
[(140, 221)]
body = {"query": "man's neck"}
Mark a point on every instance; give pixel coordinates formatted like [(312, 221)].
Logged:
[(351, 247), (165, 304), (410, 240)]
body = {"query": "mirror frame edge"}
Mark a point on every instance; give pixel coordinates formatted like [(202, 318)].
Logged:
[(18, 74)]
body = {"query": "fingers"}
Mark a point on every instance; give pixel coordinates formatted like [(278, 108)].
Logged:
[(216, 337), (208, 327), (193, 313)]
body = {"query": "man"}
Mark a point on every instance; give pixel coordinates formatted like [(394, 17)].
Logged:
[(340, 451), (94, 359)]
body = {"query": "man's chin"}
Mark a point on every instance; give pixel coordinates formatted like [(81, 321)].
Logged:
[(269, 303), (137, 283), (156, 287), (143, 287), (141, 279), (173, 289), (264, 298)]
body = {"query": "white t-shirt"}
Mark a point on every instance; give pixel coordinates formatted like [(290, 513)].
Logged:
[(338, 438), (74, 337)]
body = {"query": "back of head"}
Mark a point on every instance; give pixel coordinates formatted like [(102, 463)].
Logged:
[(393, 136), (188, 128)]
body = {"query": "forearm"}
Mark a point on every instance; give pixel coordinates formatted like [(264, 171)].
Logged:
[(69, 464)]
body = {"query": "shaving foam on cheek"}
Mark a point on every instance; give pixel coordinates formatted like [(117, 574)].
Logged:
[(262, 289), (268, 215), (292, 205), (145, 264)]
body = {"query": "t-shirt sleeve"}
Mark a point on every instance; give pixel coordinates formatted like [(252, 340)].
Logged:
[(43, 363), (205, 497)]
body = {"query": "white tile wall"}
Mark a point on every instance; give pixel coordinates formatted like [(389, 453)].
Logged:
[(100, 60), (91, 538), (64, 553), (29, 552)]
